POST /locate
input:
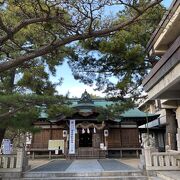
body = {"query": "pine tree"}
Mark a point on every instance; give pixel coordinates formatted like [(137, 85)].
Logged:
[(37, 28)]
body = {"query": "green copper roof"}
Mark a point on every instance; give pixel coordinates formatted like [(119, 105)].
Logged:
[(43, 112), (136, 113), (102, 103), (97, 103), (87, 103), (82, 105), (85, 98)]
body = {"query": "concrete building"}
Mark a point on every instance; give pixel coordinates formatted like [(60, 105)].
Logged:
[(164, 128), (163, 82)]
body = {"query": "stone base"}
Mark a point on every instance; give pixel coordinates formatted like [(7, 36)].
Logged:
[(142, 162), (10, 175)]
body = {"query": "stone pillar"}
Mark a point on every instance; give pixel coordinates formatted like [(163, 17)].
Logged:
[(171, 129), (148, 143), (20, 158), (178, 129), (147, 156)]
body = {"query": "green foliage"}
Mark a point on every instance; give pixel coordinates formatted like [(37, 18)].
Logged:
[(36, 79), (20, 87), (24, 87), (118, 63), (27, 109), (55, 110), (23, 120), (61, 22), (32, 76)]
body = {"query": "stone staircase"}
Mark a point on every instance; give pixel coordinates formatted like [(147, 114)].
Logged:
[(108, 175)]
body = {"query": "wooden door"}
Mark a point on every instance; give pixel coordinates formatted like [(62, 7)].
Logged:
[(40, 139), (130, 138), (57, 134), (114, 138), (96, 140)]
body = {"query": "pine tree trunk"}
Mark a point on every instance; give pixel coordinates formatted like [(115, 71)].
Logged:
[(2, 133)]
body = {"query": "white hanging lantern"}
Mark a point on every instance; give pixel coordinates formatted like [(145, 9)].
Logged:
[(88, 131), (94, 130), (64, 133), (83, 131), (106, 133)]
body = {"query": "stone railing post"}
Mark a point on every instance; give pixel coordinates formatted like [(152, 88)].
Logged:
[(147, 156), (20, 158), (148, 143), (178, 129)]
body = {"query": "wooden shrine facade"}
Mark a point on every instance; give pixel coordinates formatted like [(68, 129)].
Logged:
[(93, 139), (122, 137)]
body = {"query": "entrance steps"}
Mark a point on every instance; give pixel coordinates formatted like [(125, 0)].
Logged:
[(104, 175)]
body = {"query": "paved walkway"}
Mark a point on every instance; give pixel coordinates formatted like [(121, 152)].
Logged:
[(85, 166), (93, 165), (55, 165)]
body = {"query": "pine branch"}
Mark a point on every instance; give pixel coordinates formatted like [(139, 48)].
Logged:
[(10, 113), (61, 42)]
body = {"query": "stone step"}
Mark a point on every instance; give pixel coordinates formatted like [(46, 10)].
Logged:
[(165, 177), (155, 178), (93, 177), (169, 175), (81, 174)]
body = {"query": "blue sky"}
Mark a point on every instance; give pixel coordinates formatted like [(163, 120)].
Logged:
[(74, 87)]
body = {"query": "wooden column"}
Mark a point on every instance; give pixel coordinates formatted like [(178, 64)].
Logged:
[(105, 141), (120, 134), (50, 131)]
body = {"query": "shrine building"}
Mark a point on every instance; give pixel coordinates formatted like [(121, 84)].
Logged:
[(83, 135)]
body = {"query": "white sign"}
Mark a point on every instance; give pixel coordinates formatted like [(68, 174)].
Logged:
[(6, 146), (72, 130), (101, 145), (56, 145)]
